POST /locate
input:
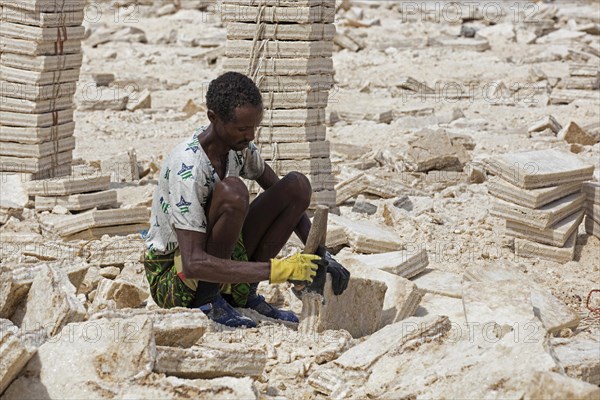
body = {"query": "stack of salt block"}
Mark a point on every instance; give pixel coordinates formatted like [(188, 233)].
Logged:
[(539, 194), (592, 218), (40, 58), (92, 205), (73, 193), (286, 46)]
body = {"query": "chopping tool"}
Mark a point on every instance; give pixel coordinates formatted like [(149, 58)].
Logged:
[(316, 237)]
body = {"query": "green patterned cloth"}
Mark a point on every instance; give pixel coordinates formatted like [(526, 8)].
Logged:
[(166, 288), (169, 290)]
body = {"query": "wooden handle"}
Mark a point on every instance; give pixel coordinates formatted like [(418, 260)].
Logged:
[(318, 231)]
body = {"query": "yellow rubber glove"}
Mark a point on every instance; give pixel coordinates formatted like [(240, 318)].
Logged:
[(297, 267)]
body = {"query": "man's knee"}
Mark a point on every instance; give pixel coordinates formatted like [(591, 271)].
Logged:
[(231, 193), (298, 186)]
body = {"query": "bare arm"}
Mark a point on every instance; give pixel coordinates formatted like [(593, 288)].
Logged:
[(198, 264), (268, 179)]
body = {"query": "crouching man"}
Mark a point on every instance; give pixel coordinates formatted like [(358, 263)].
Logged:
[(206, 239)]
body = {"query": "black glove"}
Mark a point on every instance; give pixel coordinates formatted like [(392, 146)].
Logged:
[(318, 282), (340, 276)]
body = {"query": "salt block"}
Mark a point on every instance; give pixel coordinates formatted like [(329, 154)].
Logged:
[(542, 217), (593, 211), (358, 310), (531, 198), (439, 282), (88, 357), (544, 385), (97, 233), (548, 122), (24, 275), (540, 168), (336, 236), (320, 181), (555, 235), (78, 202), (52, 303), (13, 353), (39, 34), (294, 151), (368, 237), (294, 118), (34, 165), (45, 19), (174, 327), (43, 63), (592, 191), (579, 356), (290, 100), (351, 187), (290, 134), (434, 304), (386, 188), (573, 133), (69, 225), (116, 251), (306, 166), (102, 100), (265, 14), (36, 135), (38, 77), (38, 150), (592, 227), (282, 3), (45, 120), (37, 106), (14, 191), (47, 6), (11, 293), (277, 48), (33, 48), (583, 70), (247, 31), (322, 197), (117, 293), (401, 298), (433, 150), (339, 378), (528, 248), (37, 92), (54, 250), (365, 354), (139, 101), (403, 263), (577, 83), (460, 43), (206, 361), (553, 313), (567, 96), (294, 83), (284, 66), (496, 309)]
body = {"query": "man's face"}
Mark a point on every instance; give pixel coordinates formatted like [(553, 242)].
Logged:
[(240, 131)]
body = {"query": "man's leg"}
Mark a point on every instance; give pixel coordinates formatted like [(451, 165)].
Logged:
[(270, 222), (227, 210), (273, 216)]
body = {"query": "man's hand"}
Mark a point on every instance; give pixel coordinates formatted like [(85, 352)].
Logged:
[(298, 267), (340, 276)]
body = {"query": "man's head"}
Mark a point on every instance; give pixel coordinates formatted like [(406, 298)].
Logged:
[(234, 108)]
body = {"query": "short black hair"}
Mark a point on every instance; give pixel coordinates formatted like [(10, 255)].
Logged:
[(229, 91)]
